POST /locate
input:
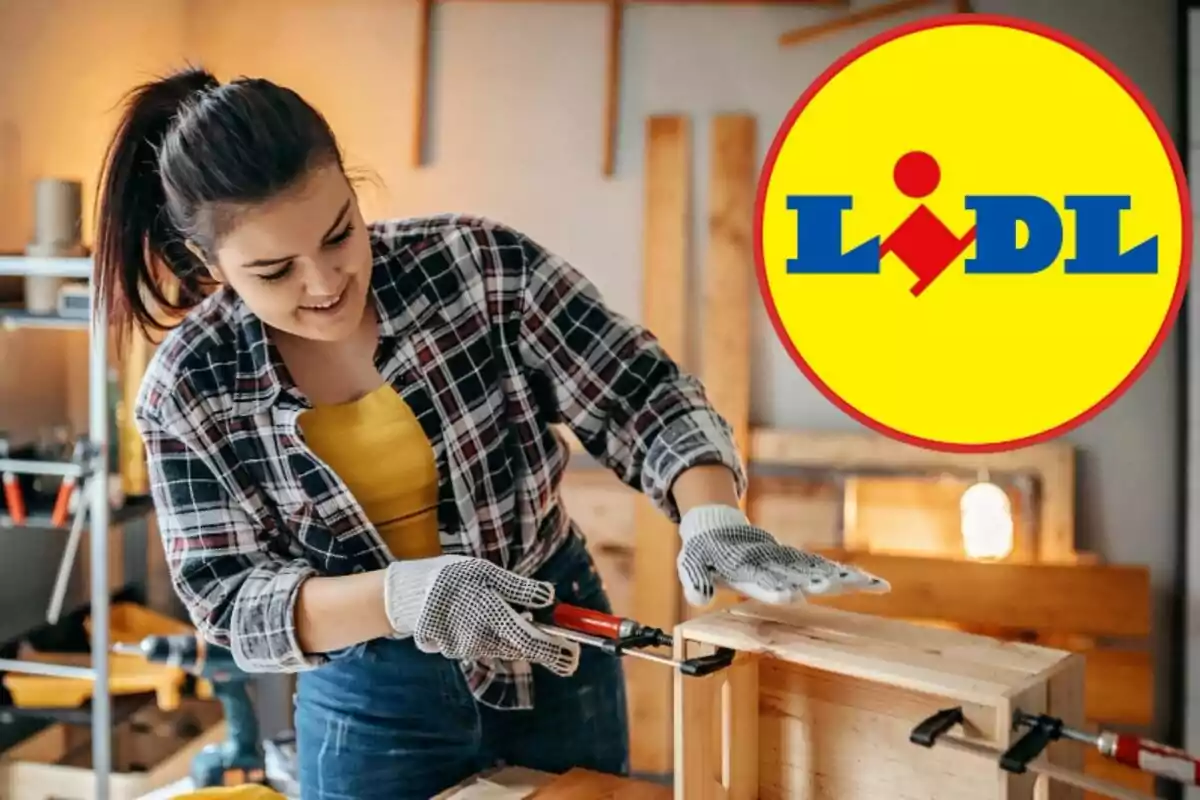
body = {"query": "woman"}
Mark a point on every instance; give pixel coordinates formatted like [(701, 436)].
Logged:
[(349, 440)]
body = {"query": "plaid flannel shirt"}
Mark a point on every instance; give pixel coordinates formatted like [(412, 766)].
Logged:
[(490, 339)]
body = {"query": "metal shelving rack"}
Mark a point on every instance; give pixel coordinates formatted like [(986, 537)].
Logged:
[(98, 513)]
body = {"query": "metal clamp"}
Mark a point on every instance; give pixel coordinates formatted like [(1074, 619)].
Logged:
[(1018, 758), (929, 730), (1042, 731), (632, 645)]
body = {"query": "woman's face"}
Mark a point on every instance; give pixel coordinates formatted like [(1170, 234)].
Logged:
[(301, 261)]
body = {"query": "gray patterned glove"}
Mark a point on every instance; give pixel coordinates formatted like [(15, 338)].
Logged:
[(721, 546), (462, 607)]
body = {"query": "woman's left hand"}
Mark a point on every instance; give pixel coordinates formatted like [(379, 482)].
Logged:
[(721, 546)]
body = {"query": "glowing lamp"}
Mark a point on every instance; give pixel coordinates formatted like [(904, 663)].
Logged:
[(987, 523)]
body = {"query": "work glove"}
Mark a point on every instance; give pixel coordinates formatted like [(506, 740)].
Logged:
[(721, 546), (463, 608)]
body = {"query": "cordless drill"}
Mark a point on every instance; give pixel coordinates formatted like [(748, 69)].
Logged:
[(239, 759)]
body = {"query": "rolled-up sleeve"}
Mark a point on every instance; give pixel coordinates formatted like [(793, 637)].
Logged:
[(631, 406), (239, 593)]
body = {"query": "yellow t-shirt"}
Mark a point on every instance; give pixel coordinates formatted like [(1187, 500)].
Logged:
[(377, 447)]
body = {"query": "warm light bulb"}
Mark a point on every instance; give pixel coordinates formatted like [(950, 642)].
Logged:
[(987, 524)]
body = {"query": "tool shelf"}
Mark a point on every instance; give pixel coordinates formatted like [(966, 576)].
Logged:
[(130, 619), (99, 513), (31, 267), (47, 752), (18, 318)]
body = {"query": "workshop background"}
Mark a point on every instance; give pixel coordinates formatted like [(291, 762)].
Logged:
[(516, 127)]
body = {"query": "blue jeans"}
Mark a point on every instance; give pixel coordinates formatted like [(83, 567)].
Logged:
[(393, 722)]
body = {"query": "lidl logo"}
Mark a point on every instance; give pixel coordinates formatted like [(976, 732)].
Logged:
[(973, 233), (926, 246)]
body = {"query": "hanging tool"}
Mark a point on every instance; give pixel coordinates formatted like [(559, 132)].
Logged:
[(67, 563), (14, 499), (619, 636), (240, 760), (66, 489), (1020, 756), (1132, 751), (62, 504)]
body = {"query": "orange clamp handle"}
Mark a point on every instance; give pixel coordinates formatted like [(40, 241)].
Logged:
[(584, 620), (14, 499), (62, 502)]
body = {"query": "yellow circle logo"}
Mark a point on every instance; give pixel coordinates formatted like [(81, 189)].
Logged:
[(973, 233)]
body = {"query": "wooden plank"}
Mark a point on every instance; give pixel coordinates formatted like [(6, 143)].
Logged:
[(1056, 522), (1051, 463), (950, 664), (851, 450), (503, 783), (725, 346), (612, 92), (697, 712), (739, 729), (1120, 687), (420, 118), (1118, 684), (1088, 599), (656, 591), (853, 19), (1033, 698), (828, 736), (1065, 692), (729, 273), (583, 784)]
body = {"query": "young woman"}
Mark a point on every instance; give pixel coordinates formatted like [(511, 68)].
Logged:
[(352, 459)]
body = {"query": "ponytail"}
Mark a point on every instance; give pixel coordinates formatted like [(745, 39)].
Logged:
[(186, 145), (135, 236)]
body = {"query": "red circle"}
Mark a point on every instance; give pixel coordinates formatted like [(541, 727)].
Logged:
[(1016, 24), (917, 174)]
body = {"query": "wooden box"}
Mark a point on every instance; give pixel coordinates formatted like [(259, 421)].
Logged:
[(819, 703)]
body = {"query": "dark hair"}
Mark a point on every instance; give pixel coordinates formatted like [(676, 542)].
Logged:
[(189, 151)]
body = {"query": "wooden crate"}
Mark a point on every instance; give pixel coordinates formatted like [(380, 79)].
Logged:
[(820, 703)]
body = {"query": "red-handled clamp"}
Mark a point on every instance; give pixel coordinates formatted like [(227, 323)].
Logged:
[(618, 636)]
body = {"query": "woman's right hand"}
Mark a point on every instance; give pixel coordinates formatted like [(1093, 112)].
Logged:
[(463, 608)]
